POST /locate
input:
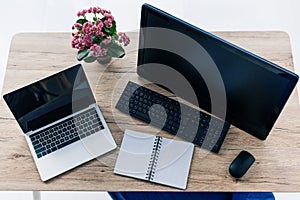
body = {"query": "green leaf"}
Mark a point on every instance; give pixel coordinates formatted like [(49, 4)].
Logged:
[(106, 30), (116, 51), (81, 21), (96, 40), (82, 54), (115, 36), (90, 59), (113, 28)]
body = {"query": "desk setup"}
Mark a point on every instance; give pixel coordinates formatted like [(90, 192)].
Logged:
[(277, 162)]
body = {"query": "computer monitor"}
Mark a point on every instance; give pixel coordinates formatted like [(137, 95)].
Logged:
[(256, 90)]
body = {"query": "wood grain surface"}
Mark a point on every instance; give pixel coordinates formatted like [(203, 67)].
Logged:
[(36, 55)]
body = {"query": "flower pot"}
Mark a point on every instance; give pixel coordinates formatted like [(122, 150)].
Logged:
[(104, 59)]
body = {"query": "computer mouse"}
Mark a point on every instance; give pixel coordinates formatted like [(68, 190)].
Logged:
[(241, 164)]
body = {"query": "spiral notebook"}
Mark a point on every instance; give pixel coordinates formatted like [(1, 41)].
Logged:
[(155, 159)]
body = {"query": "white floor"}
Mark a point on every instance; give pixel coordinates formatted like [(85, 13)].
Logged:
[(28, 195), (56, 15)]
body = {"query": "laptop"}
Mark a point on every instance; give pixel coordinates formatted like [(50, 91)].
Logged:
[(61, 121)]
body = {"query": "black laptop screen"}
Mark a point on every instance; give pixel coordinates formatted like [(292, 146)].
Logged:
[(50, 99), (256, 90)]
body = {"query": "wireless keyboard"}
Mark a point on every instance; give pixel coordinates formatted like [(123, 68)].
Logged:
[(176, 118)]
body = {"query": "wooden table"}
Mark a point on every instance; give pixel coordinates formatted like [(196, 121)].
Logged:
[(36, 55)]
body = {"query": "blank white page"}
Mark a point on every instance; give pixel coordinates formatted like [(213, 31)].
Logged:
[(134, 155), (174, 162)]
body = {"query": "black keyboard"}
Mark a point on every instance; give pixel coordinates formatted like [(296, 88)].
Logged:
[(66, 132), (176, 118)]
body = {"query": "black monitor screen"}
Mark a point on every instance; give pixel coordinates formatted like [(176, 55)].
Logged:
[(50, 99), (256, 90)]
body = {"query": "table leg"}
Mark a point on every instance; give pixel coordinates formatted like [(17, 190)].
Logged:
[(36, 195)]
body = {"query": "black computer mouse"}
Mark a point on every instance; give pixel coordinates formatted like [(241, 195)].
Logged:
[(241, 164)]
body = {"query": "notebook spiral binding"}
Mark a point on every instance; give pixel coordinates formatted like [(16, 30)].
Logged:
[(154, 158)]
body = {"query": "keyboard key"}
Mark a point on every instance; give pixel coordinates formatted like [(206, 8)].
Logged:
[(41, 140), (37, 146), (40, 150), (53, 149), (68, 142)]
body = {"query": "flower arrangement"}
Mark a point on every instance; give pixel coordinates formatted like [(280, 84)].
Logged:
[(98, 36)]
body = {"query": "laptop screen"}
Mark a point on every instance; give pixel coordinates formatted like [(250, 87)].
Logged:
[(256, 90), (50, 99)]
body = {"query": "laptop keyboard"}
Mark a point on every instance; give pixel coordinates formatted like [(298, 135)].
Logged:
[(66, 132)]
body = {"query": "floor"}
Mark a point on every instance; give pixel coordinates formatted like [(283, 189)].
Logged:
[(58, 16)]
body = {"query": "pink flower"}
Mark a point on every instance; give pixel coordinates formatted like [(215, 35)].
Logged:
[(78, 44), (95, 9), (109, 16), (87, 28), (97, 50), (77, 26), (84, 12), (103, 11), (99, 23), (88, 40), (107, 41), (108, 23), (123, 38)]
